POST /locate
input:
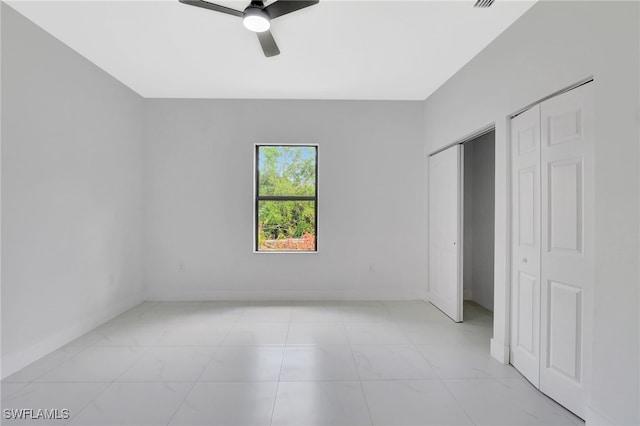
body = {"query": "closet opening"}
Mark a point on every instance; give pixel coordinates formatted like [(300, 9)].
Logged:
[(478, 228)]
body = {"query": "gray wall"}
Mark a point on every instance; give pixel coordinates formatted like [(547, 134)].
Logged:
[(479, 203), (71, 194), (199, 200), (552, 46)]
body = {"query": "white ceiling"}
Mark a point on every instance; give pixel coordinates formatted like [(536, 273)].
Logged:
[(334, 50)]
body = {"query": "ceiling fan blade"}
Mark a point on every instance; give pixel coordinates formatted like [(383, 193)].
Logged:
[(282, 7), (269, 46), (206, 5)]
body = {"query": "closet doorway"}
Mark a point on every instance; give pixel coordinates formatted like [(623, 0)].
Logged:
[(461, 228), (478, 227)]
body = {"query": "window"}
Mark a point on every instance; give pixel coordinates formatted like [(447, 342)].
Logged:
[(286, 198)]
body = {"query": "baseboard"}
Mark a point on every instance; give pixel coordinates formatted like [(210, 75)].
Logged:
[(282, 295), (20, 359), (595, 418), (499, 351)]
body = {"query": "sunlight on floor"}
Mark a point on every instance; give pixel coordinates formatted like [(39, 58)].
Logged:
[(313, 363)]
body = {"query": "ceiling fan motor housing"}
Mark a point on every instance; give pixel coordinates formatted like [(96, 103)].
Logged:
[(256, 7), (255, 18)]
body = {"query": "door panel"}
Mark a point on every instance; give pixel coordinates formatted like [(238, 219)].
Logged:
[(528, 292), (445, 231), (525, 241), (564, 317), (565, 126), (565, 205), (526, 201), (567, 241)]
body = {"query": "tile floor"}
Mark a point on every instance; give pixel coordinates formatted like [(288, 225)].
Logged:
[(301, 364)]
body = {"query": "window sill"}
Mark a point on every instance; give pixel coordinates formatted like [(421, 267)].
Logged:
[(285, 252)]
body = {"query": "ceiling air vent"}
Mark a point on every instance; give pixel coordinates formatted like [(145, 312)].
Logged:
[(483, 3)]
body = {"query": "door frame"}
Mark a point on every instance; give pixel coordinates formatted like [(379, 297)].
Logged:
[(461, 141), (467, 138)]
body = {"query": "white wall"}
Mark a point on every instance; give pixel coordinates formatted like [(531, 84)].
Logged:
[(71, 194), (552, 46), (479, 203), (199, 200)]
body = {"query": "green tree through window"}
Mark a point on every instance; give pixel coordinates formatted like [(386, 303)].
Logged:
[(286, 197)]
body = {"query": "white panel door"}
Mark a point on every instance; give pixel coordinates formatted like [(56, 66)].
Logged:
[(525, 243), (445, 231), (567, 246)]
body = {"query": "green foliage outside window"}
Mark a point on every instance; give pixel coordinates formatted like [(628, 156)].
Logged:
[(286, 171)]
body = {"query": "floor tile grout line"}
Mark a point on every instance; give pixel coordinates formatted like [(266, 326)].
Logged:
[(106, 386), (197, 379), (145, 349), (355, 364), (109, 384), (433, 366), (458, 402), (235, 323), (284, 351), (447, 382)]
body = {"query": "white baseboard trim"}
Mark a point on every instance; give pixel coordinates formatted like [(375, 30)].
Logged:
[(595, 418), (499, 351), (15, 361), (282, 295)]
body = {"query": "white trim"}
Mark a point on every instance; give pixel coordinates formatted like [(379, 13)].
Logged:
[(425, 205), (499, 351), (255, 189), (502, 241), (285, 251), (461, 233), (167, 294), (595, 418), (467, 138)]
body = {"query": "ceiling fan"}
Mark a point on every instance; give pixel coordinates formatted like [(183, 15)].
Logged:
[(257, 17)]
